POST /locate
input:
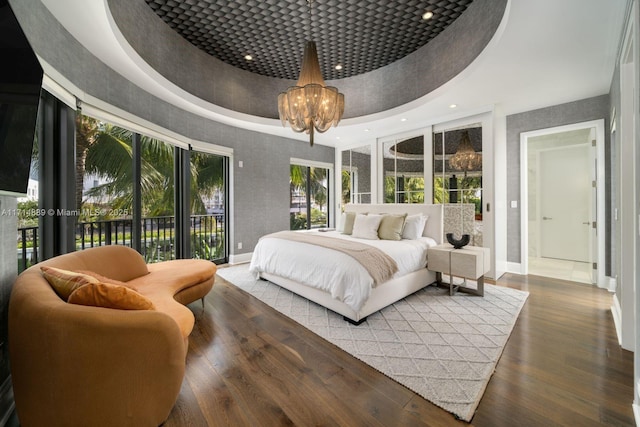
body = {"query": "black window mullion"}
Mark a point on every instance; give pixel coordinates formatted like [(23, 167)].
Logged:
[(136, 214)]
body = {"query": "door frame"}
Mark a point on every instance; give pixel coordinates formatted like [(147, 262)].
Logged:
[(600, 193)]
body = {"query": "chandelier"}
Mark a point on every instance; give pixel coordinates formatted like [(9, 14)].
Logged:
[(466, 158), (310, 106)]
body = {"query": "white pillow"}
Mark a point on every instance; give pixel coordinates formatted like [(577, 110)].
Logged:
[(414, 226), (366, 226)]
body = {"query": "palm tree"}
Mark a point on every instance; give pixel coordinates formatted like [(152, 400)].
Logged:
[(346, 186), (110, 157), (318, 187), (207, 176), (109, 154), (297, 180), (86, 131)]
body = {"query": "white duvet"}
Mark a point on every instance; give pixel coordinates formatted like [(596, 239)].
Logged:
[(333, 271)]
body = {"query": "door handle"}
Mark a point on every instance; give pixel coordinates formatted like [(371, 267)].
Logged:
[(586, 223), (546, 218)]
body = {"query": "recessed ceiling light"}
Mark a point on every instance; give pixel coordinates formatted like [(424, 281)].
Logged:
[(453, 106), (367, 130), (338, 67), (337, 137), (404, 119), (427, 15), (248, 57)]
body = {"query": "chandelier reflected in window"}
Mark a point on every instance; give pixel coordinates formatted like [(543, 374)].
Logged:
[(466, 158), (310, 106)]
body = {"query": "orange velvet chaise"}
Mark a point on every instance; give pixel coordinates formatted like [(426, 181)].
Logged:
[(81, 365)]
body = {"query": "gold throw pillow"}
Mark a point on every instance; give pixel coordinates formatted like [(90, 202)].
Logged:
[(110, 296), (64, 282)]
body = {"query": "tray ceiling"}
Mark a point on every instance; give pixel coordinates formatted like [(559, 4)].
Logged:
[(361, 35)]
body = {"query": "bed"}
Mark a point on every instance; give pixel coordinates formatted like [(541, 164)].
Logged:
[(318, 273)]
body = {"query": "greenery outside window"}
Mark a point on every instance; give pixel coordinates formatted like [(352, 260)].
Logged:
[(309, 197), (105, 155), (209, 206)]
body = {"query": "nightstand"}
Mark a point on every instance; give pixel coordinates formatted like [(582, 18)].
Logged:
[(469, 262)]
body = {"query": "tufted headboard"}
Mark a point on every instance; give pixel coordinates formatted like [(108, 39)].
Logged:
[(435, 224)]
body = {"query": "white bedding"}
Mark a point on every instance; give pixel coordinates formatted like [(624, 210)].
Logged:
[(333, 271)]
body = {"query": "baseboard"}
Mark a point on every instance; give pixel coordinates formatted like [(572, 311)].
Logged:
[(636, 414), (240, 258), (514, 267), (616, 312), (612, 284), (7, 404)]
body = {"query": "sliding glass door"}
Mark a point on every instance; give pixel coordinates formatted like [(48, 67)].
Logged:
[(125, 194), (209, 206), (157, 200), (309, 197)]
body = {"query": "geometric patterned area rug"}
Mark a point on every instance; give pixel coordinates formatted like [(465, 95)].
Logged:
[(444, 348)]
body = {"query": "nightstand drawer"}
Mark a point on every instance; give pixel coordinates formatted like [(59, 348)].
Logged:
[(469, 263), (438, 260)]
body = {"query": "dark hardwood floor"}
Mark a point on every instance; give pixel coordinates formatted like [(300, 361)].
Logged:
[(250, 366)]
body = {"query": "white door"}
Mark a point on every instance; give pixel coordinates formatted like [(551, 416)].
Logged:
[(565, 203)]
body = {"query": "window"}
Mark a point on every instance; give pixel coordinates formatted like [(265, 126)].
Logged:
[(105, 193), (309, 197), (108, 160), (107, 207), (209, 206), (28, 213), (157, 194), (105, 154)]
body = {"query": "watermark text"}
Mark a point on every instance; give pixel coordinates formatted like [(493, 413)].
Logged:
[(33, 212)]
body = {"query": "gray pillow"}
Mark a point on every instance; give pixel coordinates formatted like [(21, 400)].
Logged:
[(391, 227)]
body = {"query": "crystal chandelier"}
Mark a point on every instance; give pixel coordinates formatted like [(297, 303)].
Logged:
[(310, 105), (466, 158)]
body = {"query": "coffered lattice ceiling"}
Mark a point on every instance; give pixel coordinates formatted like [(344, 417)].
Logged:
[(361, 35)]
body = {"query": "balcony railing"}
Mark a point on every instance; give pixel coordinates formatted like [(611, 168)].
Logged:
[(158, 234), (27, 247)]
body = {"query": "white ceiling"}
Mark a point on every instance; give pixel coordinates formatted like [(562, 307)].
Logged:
[(546, 52)]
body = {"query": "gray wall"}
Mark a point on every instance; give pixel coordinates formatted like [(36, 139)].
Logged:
[(260, 187), (573, 112)]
